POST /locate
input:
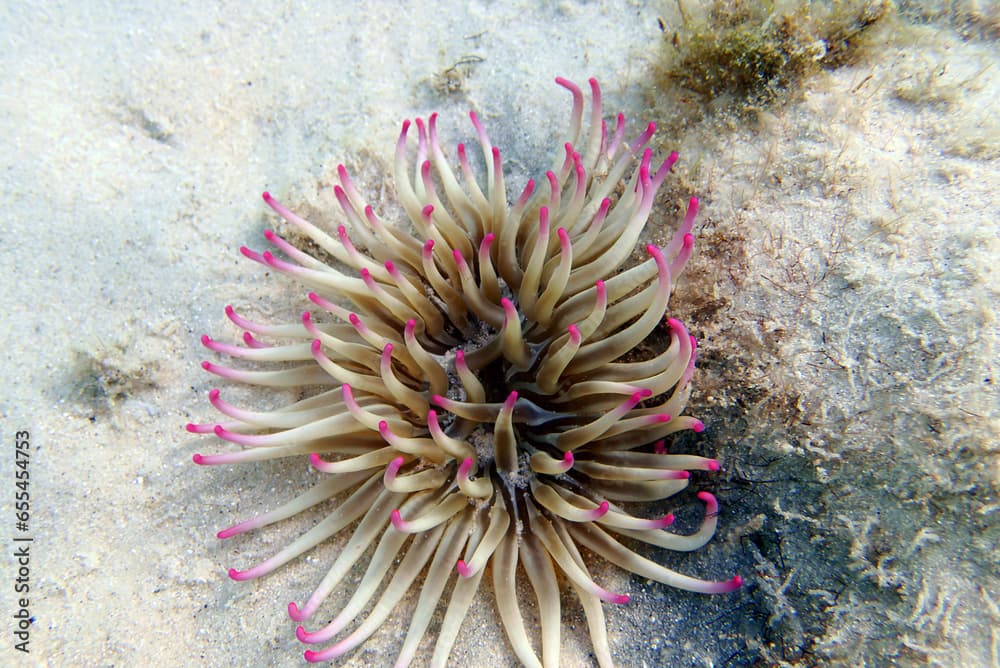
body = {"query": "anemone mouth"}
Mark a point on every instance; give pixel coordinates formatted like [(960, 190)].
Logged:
[(475, 410)]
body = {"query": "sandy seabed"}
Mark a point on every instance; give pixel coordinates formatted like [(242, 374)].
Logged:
[(844, 294)]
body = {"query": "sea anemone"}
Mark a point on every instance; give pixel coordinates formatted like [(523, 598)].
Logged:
[(480, 405)]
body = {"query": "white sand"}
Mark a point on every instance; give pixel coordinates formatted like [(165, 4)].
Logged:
[(134, 146)]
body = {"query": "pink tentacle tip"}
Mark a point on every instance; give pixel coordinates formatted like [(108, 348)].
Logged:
[(543, 212), (484, 245), (619, 599), (600, 511), (713, 465), (509, 310), (392, 470), (316, 461), (198, 459), (711, 503), (295, 614), (398, 522), (347, 394), (508, 405), (646, 161), (228, 532), (726, 586), (566, 83), (698, 426), (529, 188), (463, 569), (666, 520), (465, 467), (240, 576)]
